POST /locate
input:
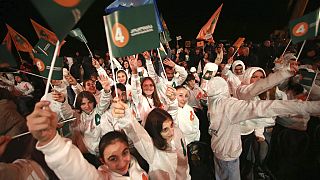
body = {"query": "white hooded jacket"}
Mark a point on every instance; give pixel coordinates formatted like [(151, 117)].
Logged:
[(226, 113)]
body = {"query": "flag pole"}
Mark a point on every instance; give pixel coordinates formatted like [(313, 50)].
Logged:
[(110, 53), (90, 52), (286, 47), (304, 42), (51, 70), (312, 86)]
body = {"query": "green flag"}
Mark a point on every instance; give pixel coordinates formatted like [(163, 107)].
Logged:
[(43, 63), (132, 30), (305, 27), (162, 52), (165, 35), (77, 33), (45, 47), (306, 78), (6, 58), (62, 15)]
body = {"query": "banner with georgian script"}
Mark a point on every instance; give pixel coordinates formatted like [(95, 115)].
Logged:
[(132, 30)]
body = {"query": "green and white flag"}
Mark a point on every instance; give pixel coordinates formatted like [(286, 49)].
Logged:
[(43, 63), (305, 27), (132, 30), (45, 47), (77, 33), (62, 15)]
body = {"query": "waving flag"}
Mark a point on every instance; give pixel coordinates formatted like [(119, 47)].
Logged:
[(19, 41), (208, 29), (131, 31), (239, 42), (62, 15), (122, 4), (7, 42), (44, 33), (165, 35), (305, 27), (43, 63), (77, 33)]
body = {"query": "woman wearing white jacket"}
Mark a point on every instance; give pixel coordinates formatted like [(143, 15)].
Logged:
[(160, 143), (91, 113), (225, 115), (145, 96), (187, 121), (67, 161)]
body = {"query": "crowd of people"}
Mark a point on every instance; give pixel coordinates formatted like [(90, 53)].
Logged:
[(212, 112)]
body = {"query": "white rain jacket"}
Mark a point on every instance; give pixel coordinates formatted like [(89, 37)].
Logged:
[(226, 113)]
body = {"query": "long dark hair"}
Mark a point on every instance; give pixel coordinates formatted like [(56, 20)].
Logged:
[(110, 138), (153, 126), (85, 94), (155, 96)]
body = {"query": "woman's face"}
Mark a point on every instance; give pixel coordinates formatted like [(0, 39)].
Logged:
[(182, 96), (122, 78), (90, 86), (117, 157), (167, 131), (126, 65), (86, 105), (139, 63), (191, 83), (256, 76), (148, 88)]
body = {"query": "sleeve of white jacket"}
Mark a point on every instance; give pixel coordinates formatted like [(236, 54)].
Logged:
[(152, 73), (226, 70), (103, 72), (246, 92), (105, 101), (9, 81), (140, 137), (172, 108), (136, 89), (182, 74), (67, 161), (241, 110), (66, 110), (77, 88)]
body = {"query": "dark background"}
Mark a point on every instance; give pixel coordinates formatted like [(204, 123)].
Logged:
[(253, 19)]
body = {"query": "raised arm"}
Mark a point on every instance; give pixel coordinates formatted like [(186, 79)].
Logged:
[(60, 154), (140, 137), (246, 92)]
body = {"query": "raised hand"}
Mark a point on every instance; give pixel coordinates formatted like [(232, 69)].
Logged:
[(42, 123), (133, 63), (4, 140), (105, 83), (95, 63), (146, 55), (57, 96), (169, 62), (294, 67), (118, 108), (230, 60), (71, 80), (171, 93)]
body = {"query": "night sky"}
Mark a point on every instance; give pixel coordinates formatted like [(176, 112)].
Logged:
[(253, 19)]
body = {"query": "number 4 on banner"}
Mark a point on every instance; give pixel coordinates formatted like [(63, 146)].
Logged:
[(305, 27)]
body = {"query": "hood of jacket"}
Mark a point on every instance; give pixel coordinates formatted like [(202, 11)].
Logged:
[(248, 74)]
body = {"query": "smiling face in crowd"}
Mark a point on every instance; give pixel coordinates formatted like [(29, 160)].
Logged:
[(116, 157)]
